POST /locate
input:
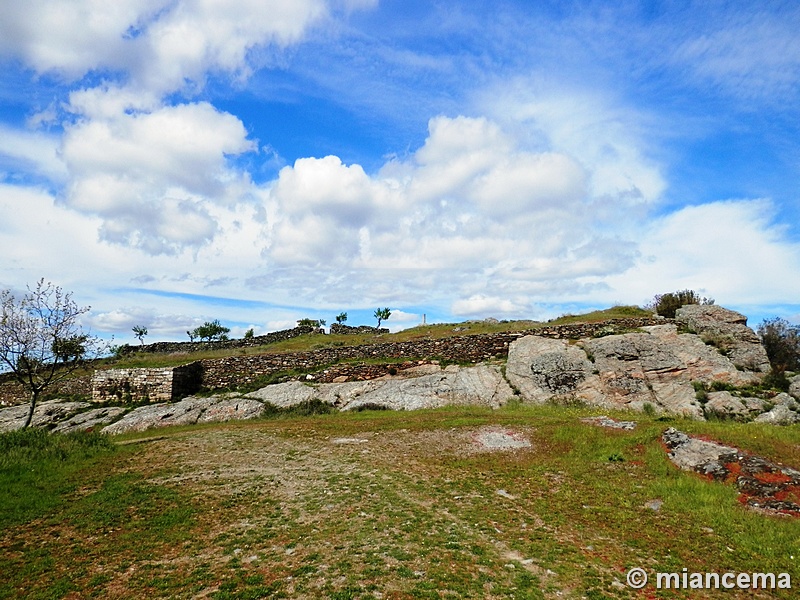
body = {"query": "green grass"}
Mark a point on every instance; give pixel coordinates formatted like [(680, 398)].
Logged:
[(275, 508), (37, 469), (615, 312)]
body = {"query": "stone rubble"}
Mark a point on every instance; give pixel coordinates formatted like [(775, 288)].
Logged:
[(762, 484)]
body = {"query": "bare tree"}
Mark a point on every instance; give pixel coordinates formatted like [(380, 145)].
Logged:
[(41, 339)]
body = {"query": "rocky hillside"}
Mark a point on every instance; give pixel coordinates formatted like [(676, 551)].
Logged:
[(707, 363)]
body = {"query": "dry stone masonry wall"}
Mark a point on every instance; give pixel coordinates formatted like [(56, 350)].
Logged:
[(232, 371), (240, 370), (12, 392), (341, 329), (145, 385), (258, 340)]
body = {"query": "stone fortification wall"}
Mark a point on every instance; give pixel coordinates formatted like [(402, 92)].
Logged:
[(366, 371), (232, 371), (12, 392), (238, 370), (340, 329), (145, 385), (188, 347)]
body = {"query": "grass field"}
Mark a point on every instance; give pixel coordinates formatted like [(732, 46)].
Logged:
[(380, 505)]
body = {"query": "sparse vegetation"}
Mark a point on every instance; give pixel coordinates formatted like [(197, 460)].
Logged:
[(667, 304), (782, 342), (398, 504), (36, 469), (314, 323)]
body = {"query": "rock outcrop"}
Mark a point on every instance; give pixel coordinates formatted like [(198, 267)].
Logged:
[(794, 386), (658, 366), (784, 411), (45, 414), (542, 368), (691, 368), (479, 385), (728, 331), (727, 406), (95, 418), (191, 410)]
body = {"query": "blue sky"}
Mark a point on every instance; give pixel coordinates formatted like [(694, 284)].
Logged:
[(257, 162)]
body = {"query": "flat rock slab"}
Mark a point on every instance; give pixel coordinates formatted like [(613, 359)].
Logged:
[(45, 414), (188, 411), (762, 484), (346, 441), (501, 439), (479, 385), (604, 421), (91, 419), (232, 409)]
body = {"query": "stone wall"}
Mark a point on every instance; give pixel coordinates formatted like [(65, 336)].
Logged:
[(363, 371), (233, 371), (146, 385), (12, 392), (238, 370), (188, 347), (340, 329)]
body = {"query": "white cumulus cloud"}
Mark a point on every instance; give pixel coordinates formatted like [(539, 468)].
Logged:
[(470, 203), (152, 176)]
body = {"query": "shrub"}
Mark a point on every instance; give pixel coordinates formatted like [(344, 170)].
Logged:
[(781, 340), (666, 304), (314, 323)]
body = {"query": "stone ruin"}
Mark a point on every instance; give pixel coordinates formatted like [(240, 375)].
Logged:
[(146, 385)]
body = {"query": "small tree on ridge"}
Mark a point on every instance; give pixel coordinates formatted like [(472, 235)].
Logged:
[(210, 331), (382, 314), (140, 331)]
